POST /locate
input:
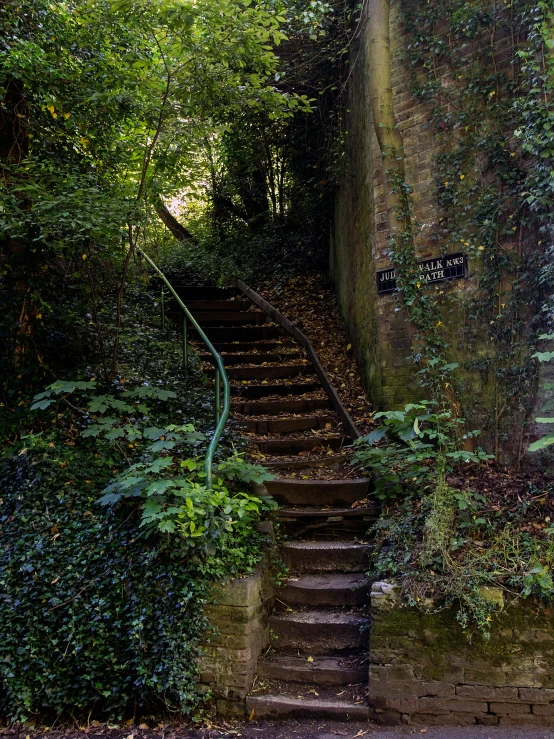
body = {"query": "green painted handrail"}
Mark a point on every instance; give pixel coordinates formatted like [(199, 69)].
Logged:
[(221, 414)]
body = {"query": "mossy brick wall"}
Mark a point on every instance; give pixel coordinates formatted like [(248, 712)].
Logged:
[(378, 325), (238, 613), (424, 669)]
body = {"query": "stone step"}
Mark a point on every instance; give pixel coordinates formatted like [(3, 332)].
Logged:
[(319, 632), (325, 556), (330, 590), (199, 292), (293, 446), (228, 334), (257, 392), (321, 671), (233, 317), (285, 425), (282, 707), (371, 512), (254, 346), (338, 524), (230, 359), (199, 305), (274, 371), (318, 492), (260, 407), (333, 461)]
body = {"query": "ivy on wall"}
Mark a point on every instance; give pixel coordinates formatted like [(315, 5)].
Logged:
[(484, 70)]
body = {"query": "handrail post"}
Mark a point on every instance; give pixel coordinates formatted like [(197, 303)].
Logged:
[(217, 395), (185, 344), (162, 307)]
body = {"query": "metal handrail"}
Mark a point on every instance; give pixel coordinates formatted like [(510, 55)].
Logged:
[(221, 414)]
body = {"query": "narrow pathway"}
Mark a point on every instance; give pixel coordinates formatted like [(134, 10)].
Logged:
[(317, 664)]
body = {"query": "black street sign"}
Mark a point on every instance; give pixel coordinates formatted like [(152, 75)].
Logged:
[(446, 267)]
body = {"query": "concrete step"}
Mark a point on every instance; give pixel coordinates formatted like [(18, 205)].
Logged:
[(285, 425), (293, 446), (319, 632), (282, 707), (261, 407), (256, 392), (330, 590), (318, 492), (321, 671), (273, 371), (230, 359), (325, 556)]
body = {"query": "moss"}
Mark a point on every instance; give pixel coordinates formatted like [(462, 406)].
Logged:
[(431, 640)]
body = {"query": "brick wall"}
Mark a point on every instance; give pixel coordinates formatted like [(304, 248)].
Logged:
[(377, 324), (238, 613), (424, 669)]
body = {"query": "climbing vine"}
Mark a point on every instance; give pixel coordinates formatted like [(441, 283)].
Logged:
[(484, 71)]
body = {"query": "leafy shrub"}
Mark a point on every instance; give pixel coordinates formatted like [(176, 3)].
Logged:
[(102, 607), (417, 447)]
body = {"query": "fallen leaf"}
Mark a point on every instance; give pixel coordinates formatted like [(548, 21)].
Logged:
[(423, 731), (251, 716), (310, 659)]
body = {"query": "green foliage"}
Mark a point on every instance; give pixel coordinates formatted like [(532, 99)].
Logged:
[(547, 440), (103, 614), (107, 104), (201, 515), (417, 448), (489, 546)]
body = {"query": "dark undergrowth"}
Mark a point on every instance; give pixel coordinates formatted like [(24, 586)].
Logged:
[(102, 615)]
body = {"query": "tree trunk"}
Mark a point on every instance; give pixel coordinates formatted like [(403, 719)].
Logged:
[(177, 229)]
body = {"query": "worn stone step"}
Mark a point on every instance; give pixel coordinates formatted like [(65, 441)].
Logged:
[(235, 318), (326, 590), (198, 306), (199, 292), (318, 492), (321, 671), (285, 425), (325, 556), (261, 407), (282, 707), (319, 632), (293, 446), (371, 512), (273, 371), (228, 334), (230, 359), (254, 346), (334, 461), (255, 391)]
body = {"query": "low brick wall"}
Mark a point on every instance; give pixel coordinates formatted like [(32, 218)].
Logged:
[(424, 669), (239, 613)]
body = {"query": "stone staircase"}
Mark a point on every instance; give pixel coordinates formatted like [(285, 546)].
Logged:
[(316, 665)]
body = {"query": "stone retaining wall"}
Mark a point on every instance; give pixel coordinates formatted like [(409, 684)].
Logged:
[(239, 614), (424, 669)]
